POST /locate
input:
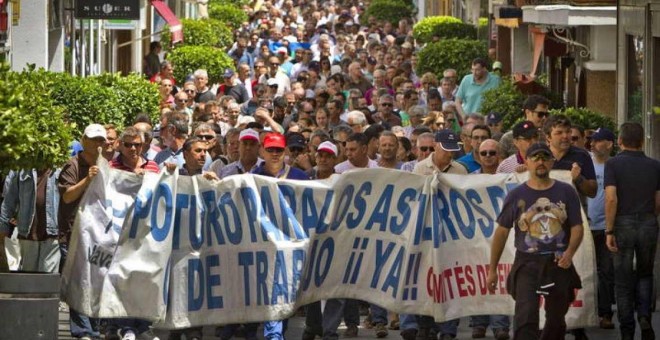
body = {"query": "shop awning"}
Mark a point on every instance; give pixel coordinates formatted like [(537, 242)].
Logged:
[(170, 18), (566, 15)]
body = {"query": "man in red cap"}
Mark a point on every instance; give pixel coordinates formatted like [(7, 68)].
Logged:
[(272, 151)]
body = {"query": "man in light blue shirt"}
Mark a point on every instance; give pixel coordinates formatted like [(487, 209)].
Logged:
[(470, 92), (602, 142)]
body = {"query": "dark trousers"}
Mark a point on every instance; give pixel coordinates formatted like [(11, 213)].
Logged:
[(527, 272), (605, 269), (636, 238), (352, 312)]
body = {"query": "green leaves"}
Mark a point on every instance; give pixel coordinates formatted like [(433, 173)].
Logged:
[(187, 59), (443, 27), (230, 14), (587, 119), (450, 53), (388, 10), (35, 132), (203, 32)]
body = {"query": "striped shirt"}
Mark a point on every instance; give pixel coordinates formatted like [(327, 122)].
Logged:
[(510, 164), (147, 165)]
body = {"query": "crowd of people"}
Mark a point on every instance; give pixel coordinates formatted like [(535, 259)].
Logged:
[(318, 90)]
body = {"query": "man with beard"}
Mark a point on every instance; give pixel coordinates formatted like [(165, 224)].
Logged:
[(470, 93), (539, 268)]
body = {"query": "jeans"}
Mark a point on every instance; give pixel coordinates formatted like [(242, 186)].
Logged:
[(496, 322), (274, 330), (605, 268), (228, 331), (352, 312), (636, 239), (408, 321), (327, 322), (378, 315), (80, 325), (449, 327)]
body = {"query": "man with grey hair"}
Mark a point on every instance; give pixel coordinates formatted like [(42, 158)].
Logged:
[(356, 78), (180, 103), (204, 93), (340, 134), (356, 120)]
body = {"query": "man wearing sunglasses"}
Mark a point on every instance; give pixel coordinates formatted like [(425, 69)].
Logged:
[(535, 110), (540, 268), (524, 135), (130, 153), (489, 157), (425, 147), (478, 134)]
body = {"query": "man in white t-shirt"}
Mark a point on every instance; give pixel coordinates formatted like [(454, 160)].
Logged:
[(356, 152)]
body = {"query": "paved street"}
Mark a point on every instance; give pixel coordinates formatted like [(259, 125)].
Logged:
[(296, 328)]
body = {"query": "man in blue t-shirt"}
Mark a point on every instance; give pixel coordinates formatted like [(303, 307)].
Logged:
[(602, 143), (548, 231)]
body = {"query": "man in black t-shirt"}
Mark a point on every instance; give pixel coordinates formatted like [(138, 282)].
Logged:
[(548, 230), (632, 202)]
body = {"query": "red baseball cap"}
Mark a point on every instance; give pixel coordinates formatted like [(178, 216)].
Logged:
[(274, 140)]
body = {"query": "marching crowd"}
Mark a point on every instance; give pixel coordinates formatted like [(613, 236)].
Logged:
[(318, 90)]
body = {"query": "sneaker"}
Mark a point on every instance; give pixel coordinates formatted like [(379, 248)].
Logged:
[(606, 322), (478, 332), (85, 338), (63, 307), (381, 330), (409, 334), (129, 335), (351, 332), (309, 335), (502, 334)]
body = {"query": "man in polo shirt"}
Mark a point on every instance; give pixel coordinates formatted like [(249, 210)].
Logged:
[(470, 92), (248, 155), (440, 160), (632, 203), (525, 134), (356, 154), (130, 158), (557, 129)]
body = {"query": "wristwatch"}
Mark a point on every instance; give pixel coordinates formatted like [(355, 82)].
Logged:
[(609, 232)]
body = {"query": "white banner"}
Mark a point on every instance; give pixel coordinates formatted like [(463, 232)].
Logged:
[(252, 248)]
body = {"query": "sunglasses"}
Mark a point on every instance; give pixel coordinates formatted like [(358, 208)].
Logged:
[(189, 91), (206, 137), (575, 138), (129, 145), (542, 114), (275, 65), (488, 153), (296, 149), (541, 157), (426, 148), (274, 150), (386, 104)]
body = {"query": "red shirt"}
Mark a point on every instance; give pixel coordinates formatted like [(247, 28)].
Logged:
[(147, 165)]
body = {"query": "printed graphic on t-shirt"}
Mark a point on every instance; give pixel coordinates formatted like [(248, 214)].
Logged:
[(542, 224)]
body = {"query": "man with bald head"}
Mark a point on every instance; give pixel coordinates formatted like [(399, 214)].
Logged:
[(356, 79), (489, 157)]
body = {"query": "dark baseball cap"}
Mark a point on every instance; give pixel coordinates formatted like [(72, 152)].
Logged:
[(603, 134), (494, 117), (538, 148), (525, 129), (448, 140), (295, 140)]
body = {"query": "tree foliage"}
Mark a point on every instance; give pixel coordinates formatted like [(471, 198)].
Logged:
[(35, 132), (202, 32), (187, 59), (232, 15), (444, 27), (388, 10), (450, 53)]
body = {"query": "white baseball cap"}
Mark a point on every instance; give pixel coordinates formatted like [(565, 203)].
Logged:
[(95, 131), (328, 147), (248, 134)]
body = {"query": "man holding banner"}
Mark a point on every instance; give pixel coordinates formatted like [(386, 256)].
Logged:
[(548, 231)]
